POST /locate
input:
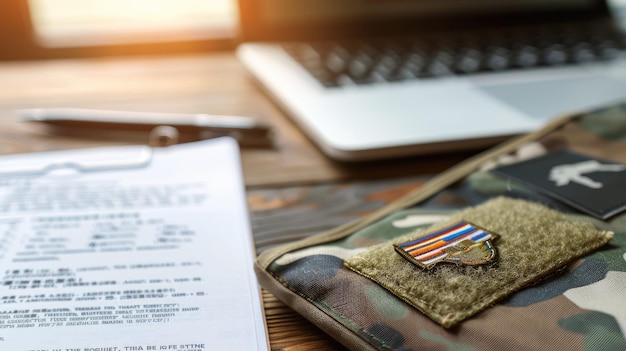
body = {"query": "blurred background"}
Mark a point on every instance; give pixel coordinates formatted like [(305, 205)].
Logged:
[(69, 28), (114, 21), (62, 28)]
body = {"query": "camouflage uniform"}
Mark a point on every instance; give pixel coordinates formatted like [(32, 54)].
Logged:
[(581, 308)]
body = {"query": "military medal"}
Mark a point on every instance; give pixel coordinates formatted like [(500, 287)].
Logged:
[(463, 243)]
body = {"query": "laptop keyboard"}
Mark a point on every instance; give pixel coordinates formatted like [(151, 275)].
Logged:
[(336, 64)]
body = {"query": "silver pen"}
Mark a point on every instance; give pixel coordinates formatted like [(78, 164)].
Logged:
[(247, 130)]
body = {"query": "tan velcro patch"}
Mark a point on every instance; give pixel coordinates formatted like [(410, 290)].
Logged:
[(532, 242)]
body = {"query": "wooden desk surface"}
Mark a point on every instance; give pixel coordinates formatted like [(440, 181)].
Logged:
[(209, 83)]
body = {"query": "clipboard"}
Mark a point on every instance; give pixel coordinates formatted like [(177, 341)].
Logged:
[(140, 235)]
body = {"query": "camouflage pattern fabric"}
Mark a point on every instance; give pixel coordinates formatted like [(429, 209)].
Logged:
[(582, 307)]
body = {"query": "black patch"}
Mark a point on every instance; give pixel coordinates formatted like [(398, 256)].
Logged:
[(591, 185)]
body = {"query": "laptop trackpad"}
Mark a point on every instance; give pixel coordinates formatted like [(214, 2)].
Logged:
[(545, 99)]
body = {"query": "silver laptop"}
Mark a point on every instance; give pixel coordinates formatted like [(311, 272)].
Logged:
[(369, 79)]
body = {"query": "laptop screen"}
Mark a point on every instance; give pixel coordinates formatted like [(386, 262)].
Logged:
[(294, 11)]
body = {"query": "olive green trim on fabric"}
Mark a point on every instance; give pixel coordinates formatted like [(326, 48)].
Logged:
[(433, 186), (534, 241)]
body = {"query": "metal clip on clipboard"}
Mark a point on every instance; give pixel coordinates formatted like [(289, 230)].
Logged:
[(100, 159)]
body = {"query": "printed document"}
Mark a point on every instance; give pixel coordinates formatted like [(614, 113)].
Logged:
[(127, 248)]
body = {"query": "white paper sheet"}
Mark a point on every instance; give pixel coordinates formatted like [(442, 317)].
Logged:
[(152, 256)]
